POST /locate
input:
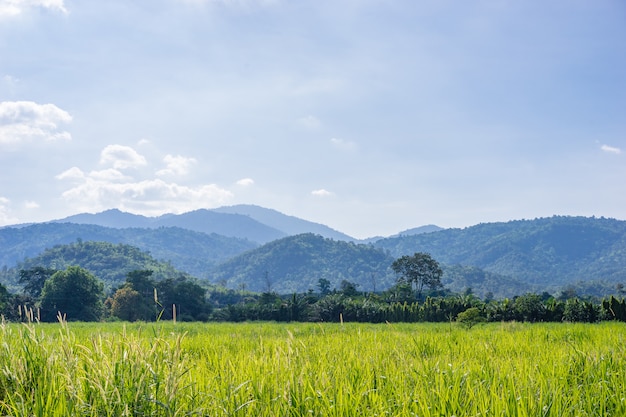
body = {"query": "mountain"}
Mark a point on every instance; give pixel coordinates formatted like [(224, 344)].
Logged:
[(546, 253), (419, 230), (192, 252), (205, 221), (297, 263), (505, 258), (107, 261), (110, 218), (289, 225), (225, 224)]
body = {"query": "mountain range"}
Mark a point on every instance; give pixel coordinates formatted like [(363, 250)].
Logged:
[(254, 223), (262, 249)]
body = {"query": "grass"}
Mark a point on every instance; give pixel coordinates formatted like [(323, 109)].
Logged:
[(269, 369)]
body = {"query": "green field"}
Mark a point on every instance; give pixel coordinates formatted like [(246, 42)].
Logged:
[(268, 369)]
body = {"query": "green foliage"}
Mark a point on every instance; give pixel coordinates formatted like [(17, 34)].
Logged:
[(544, 253), (325, 369), (419, 270), (297, 263), (470, 317), (109, 262), (34, 279), (129, 305), (190, 251), (73, 293), (188, 297)]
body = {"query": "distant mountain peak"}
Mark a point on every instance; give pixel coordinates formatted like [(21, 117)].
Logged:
[(429, 228)]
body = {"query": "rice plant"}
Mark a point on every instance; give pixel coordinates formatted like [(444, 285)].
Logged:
[(270, 369)]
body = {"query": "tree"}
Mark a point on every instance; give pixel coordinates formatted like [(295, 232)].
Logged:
[(419, 270), (34, 279), (188, 296), (324, 286), (5, 301), (470, 317), (128, 304), (348, 288), (529, 307), (75, 293)]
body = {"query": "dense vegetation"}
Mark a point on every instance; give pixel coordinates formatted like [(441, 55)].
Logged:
[(296, 263), (558, 254), (504, 369), (189, 251), (548, 253)]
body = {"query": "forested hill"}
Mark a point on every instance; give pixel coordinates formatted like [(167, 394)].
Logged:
[(297, 263), (546, 252), (107, 261), (190, 251)]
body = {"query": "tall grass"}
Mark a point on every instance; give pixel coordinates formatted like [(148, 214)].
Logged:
[(268, 369)]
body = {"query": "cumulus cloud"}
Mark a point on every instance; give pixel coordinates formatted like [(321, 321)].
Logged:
[(321, 193), (343, 145), (176, 165), (245, 182), (12, 8), (98, 190), (121, 157), (611, 149), (71, 174), (5, 212), (149, 197), (109, 175), (23, 121), (31, 205)]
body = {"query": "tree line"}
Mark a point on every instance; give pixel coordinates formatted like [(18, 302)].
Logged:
[(417, 296)]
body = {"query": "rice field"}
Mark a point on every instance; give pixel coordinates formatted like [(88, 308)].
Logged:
[(270, 369)]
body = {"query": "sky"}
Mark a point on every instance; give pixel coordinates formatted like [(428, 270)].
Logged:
[(369, 116)]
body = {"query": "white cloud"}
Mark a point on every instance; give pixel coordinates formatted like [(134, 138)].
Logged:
[(343, 145), (148, 197), (321, 193), (121, 157), (611, 149), (12, 8), (109, 175), (73, 173), (5, 215), (245, 182), (23, 121), (176, 165), (31, 205)]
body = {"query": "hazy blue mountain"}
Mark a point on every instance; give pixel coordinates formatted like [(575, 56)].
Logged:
[(110, 218), (588, 254), (289, 225), (225, 224), (545, 252), (205, 221), (192, 252), (419, 230)]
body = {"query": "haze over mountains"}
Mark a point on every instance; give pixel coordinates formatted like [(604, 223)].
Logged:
[(261, 249), (250, 222)]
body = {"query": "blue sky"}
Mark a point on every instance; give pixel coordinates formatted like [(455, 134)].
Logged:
[(370, 116)]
